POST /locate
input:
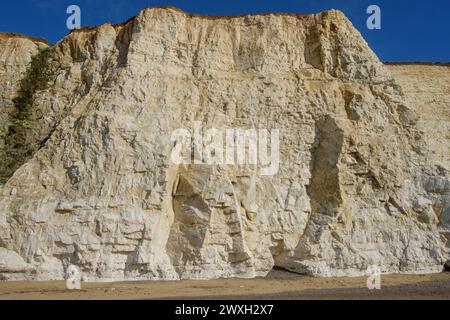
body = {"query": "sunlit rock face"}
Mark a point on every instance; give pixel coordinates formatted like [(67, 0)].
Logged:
[(352, 188), (427, 89)]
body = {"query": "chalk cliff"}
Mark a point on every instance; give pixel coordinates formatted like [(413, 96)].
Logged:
[(91, 183)]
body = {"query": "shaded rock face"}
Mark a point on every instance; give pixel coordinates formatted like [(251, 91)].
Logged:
[(15, 55), (102, 194)]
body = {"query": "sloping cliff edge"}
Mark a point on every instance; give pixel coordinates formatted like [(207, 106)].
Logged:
[(85, 148)]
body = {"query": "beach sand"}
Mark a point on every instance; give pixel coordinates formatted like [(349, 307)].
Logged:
[(279, 285)]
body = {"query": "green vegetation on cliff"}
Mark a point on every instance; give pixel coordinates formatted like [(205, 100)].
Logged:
[(19, 144)]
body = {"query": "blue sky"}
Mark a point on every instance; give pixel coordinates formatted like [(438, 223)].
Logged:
[(412, 30)]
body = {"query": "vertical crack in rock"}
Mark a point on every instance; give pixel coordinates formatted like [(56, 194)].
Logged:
[(325, 187)]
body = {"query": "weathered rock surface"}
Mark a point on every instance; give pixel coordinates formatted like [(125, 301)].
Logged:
[(427, 89), (353, 188)]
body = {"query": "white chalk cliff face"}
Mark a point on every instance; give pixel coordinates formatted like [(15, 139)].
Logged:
[(99, 191)]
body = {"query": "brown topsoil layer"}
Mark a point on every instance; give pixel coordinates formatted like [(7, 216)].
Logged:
[(7, 35)]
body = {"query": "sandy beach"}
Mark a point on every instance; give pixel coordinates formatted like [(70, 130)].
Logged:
[(279, 285)]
